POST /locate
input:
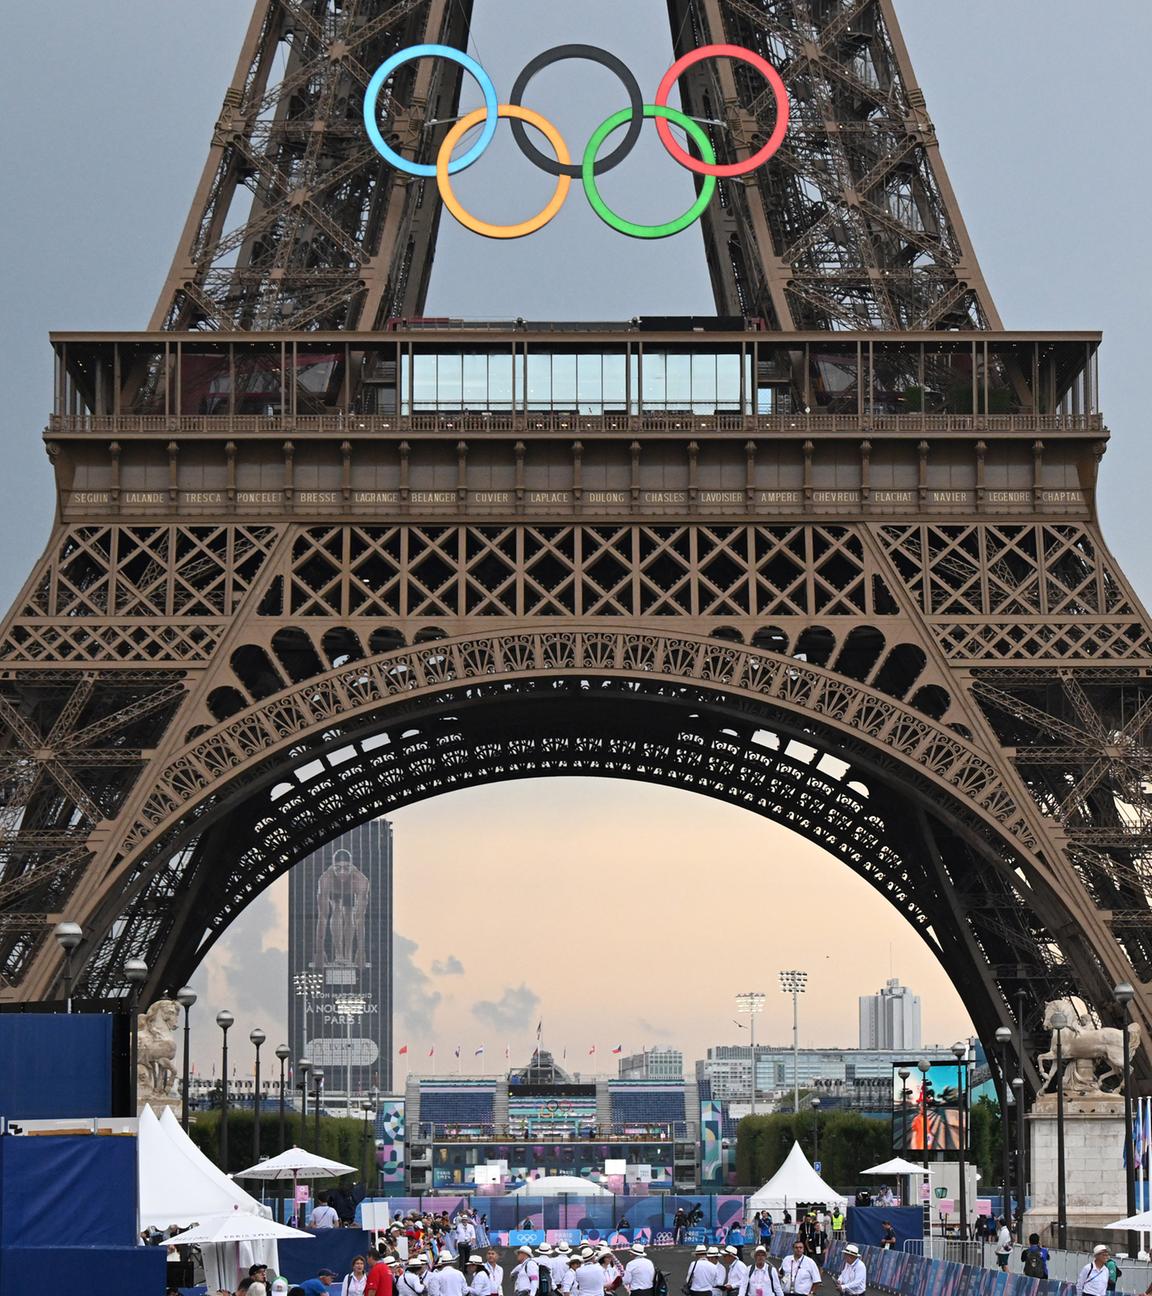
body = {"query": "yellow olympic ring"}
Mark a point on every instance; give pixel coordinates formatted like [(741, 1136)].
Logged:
[(470, 222)]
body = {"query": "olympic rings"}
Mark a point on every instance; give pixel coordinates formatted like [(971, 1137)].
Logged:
[(590, 165), (778, 89), (662, 113), (470, 222), (385, 70), (593, 55)]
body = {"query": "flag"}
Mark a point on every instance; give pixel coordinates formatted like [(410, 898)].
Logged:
[(618, 1049), (457, 1050), (480, 1051), (506, 1054), (403, 1048), (592, 1050), (432, 1051), (539, 1028)]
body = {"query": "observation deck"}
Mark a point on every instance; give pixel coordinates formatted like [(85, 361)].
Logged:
[(510, 418)]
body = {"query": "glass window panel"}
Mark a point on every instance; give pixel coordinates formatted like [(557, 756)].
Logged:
[(539, 382), (476, 381), (590, 382), (704, 383), (679, 380), (728, 382), (423, 383), (564, 382), (500, 381), (450, 382), (655, 395), (634, 381), (615, 383)]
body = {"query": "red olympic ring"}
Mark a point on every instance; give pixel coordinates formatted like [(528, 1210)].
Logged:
[(765, 69)]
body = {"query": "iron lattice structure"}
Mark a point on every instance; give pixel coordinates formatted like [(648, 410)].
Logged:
[(851, 578)]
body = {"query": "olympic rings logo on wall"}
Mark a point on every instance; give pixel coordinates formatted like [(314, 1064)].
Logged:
[(591, 164)]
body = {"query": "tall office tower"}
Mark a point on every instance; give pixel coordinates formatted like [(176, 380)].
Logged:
[(340, 960), (891, 1018)]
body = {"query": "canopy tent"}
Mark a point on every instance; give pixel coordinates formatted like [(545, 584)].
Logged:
[(1141, 1223), (177, 1184), (239, 1226), (793, 1183), (296, 1163), (560, 1185), (899, 1166)]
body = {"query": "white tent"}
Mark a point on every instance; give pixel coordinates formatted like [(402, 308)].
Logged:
[(898, 1166), (177, 1184), (558, 1185), (794, 1182)]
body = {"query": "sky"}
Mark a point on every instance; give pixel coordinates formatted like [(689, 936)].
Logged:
[(616, 912)]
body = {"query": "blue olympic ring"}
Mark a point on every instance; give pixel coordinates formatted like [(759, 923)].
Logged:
[(385, 70)]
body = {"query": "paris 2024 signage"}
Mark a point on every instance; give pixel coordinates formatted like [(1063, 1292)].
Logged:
[(591, 165)]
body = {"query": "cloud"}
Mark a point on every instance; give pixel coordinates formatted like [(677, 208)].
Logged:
[(414, 1001), (451, 966), (650, 1028), (512, 1011)]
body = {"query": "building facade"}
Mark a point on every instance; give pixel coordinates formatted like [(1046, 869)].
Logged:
[(340, 960), (728, 1068), (653, 1064), (890, 1019)]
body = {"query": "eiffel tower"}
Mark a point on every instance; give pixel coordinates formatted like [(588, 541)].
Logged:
[(832, 555)]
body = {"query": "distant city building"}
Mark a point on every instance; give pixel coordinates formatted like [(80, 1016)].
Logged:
[(728, 1068), (340, 960), (653, 1064), (890, 1019)]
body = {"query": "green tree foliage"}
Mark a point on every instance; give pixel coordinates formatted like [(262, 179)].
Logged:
[(341, 1139), (849, 1143), (985, 1138)]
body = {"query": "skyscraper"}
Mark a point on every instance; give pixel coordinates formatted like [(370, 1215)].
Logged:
[(340, 959), (891, 1018)]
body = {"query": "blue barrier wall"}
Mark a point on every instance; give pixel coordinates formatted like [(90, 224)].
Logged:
[(864, 1225), (55, 1065), (905, 1274), (335, 1248)]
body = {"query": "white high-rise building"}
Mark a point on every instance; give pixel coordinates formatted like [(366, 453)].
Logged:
[(890, 1019)]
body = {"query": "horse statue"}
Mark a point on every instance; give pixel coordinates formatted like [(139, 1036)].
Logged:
[(1084, 1047), (156, 1074)]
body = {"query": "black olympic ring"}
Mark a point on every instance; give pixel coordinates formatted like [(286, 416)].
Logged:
[(593, 55)]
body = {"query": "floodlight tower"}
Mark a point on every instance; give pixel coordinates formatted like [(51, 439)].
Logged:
[(794, 982), (752, 1003)]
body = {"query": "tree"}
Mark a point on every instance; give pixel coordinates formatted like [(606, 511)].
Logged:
[(341, 1138), (849, 1143)]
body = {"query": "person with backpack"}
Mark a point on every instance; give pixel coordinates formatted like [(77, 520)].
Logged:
[(1093, 1279), (1034, 1258), (526, 1275), (1003, 1245), (639, 1272), (763, 1279), (544, 1265)]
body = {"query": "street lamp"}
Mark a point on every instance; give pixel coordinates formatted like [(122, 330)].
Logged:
[(1059, 1024), (751, 1003), (307, 987), (304, 1066), (1021, 1174), (794, 983), (283, 1052), (924, 1066), (349, 1008), (368, 1105), (1004, 1039), (68, 936), (960, 1052), (224, 1019), (1124, 994), (257, 1036), (318, 1080), (135, 973), (904, 1073), (816, 1133), (185, 997)]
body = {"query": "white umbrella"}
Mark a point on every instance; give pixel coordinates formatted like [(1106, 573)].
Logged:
[(898, 1166), (295, 1163), (236, 1226), (1137, 1223)]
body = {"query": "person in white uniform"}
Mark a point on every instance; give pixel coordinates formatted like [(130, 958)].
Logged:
[(526, 1275), (1093, 1278), (480, 1281), (700, 1271), (590, 1277), (495, 1268), (411, 1282), (451, 1279), (639, 1272), (853, 1280), (568, 1282), (558, 1265), (432, 1282), (763, 1278), (735, 1271), (713, 1258), (799, 1274)]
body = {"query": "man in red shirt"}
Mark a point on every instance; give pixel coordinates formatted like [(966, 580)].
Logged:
[(379, 1279)]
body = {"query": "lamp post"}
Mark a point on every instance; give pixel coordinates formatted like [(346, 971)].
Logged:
[(305, 1067), (924, 1066), (318, 1081), (224, 1020), (1021, 1175), (283, 1053), (257, 1036), (794, 982), (135, 973), (1004, 1039), (904, 1073), (368, 1105), (68, 936), (185, 997), (960, 1052), (816, 1133), (1059, 1023), (1124, 994), (751, 1003)]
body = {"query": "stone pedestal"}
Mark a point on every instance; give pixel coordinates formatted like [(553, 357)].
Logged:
[(1093, 1162)]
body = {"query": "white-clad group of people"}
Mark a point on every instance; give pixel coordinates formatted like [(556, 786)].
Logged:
[(567, 1271), (721, 1272)]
